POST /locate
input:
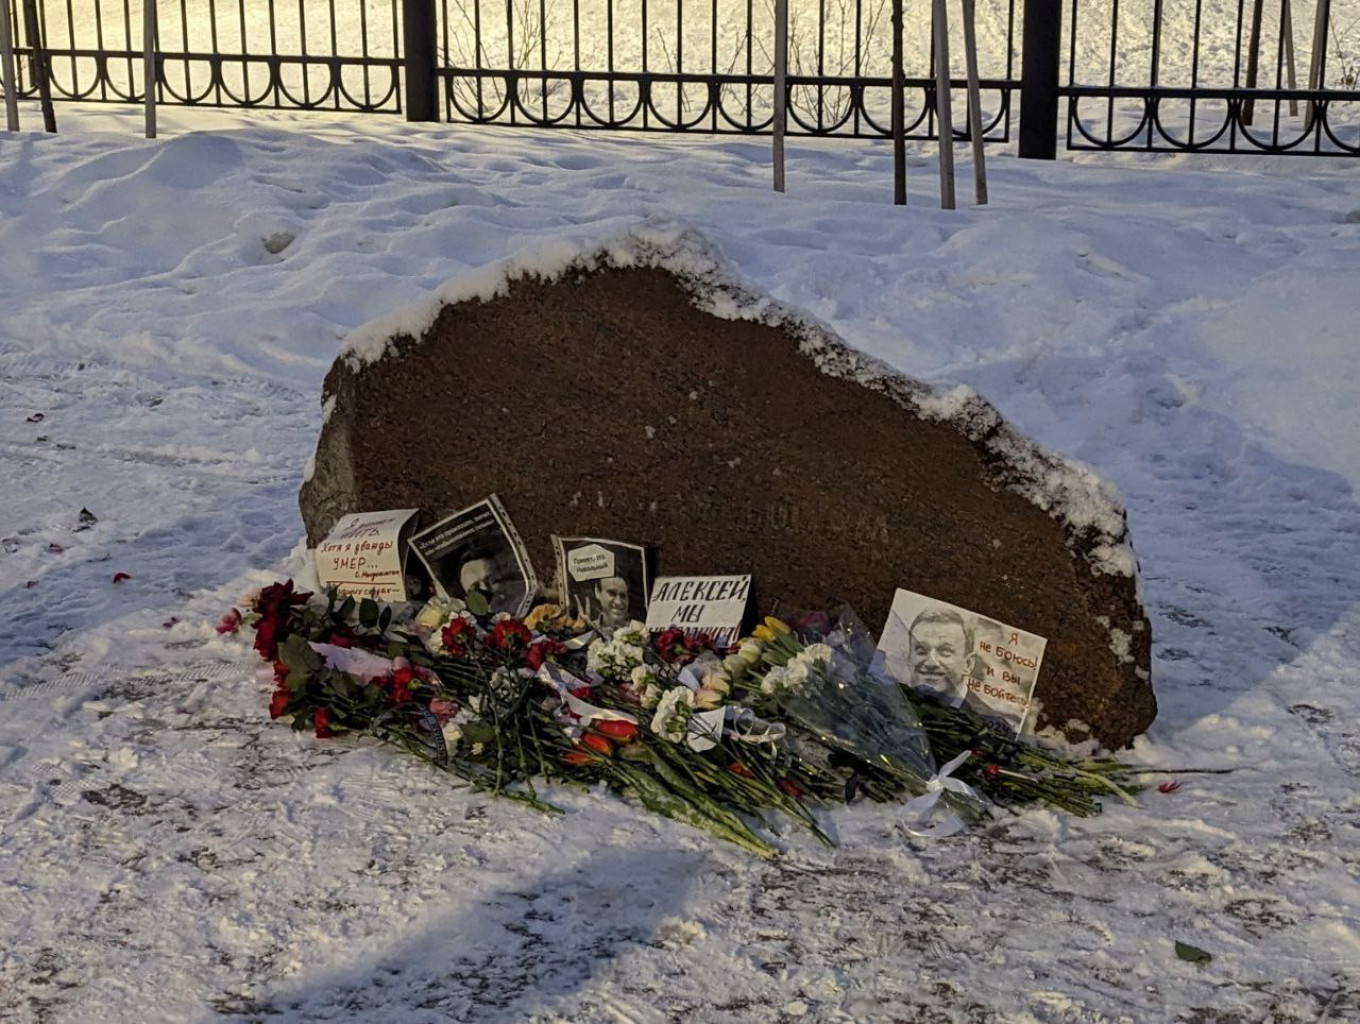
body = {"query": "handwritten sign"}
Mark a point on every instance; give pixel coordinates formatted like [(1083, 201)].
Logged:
[(962, 657), (712, 606), (365, 555)]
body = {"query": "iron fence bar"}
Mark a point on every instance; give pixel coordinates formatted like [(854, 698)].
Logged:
[(1039, 79), (419, 60)]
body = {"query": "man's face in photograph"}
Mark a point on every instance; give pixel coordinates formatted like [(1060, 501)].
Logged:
[(939, 655), (612, 593)]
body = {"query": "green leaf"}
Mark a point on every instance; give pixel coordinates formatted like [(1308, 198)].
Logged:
[(300, 660), (345, 610), (385, 619), (1192, 953), (368, 613), (476, 602)]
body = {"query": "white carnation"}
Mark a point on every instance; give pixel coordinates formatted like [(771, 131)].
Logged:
[(671, 720), (775, 682), (815, 653)]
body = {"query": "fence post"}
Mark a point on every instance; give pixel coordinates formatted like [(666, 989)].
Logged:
[(419, 30), (1039, 79)]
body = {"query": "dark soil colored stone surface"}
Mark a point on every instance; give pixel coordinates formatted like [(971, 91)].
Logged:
[(607, 403)]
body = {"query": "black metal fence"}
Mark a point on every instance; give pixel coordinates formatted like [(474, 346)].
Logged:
[(1236, 76), (1265, 76)]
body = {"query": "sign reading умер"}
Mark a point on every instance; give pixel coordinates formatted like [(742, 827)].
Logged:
[(365, 555)]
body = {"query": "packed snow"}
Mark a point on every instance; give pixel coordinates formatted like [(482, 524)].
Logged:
[(169, 310)]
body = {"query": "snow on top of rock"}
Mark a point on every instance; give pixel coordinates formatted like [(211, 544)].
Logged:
[(1067, 490)]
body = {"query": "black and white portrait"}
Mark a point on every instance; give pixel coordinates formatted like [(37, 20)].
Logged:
[(605, 582), (478, 549), (961, 657)]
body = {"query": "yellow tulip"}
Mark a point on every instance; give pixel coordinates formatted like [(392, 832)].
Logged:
[(777, 625)]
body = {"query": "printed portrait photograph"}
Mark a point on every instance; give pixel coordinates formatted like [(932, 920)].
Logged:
[(961, 657), (605, 582), (478, 550)]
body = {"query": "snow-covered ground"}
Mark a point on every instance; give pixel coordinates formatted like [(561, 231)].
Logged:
[(1186, 327)]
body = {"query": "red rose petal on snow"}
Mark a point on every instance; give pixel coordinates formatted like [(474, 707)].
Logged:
[(56, 549), (119, 577), (1169, 787), (37, 417)]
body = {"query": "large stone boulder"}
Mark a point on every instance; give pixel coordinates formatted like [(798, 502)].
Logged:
[(638, 392)]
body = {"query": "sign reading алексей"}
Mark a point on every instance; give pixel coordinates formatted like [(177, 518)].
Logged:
[(712, 606)]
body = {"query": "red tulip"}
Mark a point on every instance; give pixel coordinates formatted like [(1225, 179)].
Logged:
[(617, 729), (598, 744)]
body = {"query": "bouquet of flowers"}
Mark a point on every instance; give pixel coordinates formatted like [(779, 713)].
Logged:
[(732, 741)]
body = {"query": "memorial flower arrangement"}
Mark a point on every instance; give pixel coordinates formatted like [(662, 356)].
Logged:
[(732, 741)]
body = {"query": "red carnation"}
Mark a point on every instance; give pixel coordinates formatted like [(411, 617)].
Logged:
[(510, 633), (401, 685), (455, 636), (544, 650), (279, 704), (322, 721), (341, 639), (274, 606)]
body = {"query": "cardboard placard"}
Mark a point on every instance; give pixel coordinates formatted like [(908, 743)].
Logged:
[(962, 657), (712, 606), (365, 555)]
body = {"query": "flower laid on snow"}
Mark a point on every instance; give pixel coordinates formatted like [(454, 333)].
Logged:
[(273, 608), (673, 711), (230, 623), (472, 702)]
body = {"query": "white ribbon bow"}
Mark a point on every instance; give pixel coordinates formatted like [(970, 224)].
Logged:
[(919, 809), (582, 710)]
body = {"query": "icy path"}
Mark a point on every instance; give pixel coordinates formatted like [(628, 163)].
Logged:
[(170, 855)]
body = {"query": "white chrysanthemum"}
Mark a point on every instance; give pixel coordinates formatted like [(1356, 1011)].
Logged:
[(634, 634), (615, 658), (671, 720)]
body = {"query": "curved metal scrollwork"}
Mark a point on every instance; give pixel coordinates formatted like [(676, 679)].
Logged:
[(225, 80), (735, 104), (1217, 121)]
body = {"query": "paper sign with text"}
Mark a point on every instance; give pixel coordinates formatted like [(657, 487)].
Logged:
[(711, 606), (365, 555), (962, 657)]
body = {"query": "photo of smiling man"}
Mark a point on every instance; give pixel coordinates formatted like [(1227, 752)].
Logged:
[(961, 657)]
